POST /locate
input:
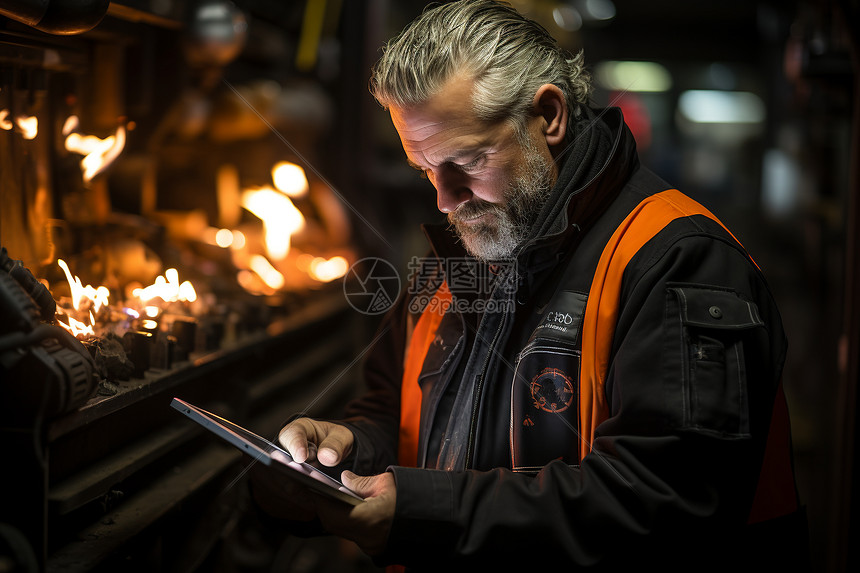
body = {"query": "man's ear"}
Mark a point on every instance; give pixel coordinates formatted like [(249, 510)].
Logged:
[(550, 103)]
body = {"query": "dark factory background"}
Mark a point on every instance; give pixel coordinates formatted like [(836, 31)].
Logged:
[(185, 107)]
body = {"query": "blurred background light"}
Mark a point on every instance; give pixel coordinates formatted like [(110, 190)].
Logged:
[(780, 185), (633, 76), (600, 10), (290, 179), (714, 106), (567, 17)]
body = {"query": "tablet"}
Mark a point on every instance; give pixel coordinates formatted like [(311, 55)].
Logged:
[(268, 453)]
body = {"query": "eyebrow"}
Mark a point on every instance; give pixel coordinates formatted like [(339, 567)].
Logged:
[(477, 150)]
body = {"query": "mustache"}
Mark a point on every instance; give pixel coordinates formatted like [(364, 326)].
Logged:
[(472, 209)]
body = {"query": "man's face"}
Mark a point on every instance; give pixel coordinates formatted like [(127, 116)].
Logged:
[(489, 183)]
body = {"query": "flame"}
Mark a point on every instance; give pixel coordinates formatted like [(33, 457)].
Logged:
[(168, 288), (98, 153), (4, 120), (76, 327), (269, 274), (98, 296), (327, 270), (29, 126), (290, 179), (280, 218), (70, 124)]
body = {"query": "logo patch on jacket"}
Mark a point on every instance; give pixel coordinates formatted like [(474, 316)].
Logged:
[(562, 319), (545, 388), (544, 416), (552, 390)]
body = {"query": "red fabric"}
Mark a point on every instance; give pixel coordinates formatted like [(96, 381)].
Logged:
[(775, 495)]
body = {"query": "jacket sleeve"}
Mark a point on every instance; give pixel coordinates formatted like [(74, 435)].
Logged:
[(672, 471)]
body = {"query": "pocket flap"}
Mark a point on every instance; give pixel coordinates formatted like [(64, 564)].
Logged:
[(708, 307)]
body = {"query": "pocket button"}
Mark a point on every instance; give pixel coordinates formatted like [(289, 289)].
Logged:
[(715, 312)]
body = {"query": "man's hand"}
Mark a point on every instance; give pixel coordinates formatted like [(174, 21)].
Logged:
[(368, 523), (308, 439)]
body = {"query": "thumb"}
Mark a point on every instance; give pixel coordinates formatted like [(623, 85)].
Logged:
[(365, 486)]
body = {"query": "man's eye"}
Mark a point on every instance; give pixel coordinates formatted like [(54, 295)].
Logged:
[(472, 164)]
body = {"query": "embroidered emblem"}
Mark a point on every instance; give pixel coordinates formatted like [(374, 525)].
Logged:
[(552, 390)]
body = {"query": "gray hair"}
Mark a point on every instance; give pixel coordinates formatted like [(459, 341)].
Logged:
[(508, 55)]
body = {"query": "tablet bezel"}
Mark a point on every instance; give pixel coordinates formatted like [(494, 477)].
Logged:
[(268, 453)]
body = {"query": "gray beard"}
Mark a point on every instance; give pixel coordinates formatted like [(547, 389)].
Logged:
[(499, 238)]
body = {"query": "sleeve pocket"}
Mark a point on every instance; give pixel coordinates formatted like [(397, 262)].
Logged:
[(713, 326)]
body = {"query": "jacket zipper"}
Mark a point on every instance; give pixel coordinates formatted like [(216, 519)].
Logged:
[(476, 399), (455, 357)]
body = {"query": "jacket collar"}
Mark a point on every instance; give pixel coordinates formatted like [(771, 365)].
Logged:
[(600, 160)]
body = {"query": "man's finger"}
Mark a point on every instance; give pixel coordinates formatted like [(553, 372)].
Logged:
[(334, 447), (306, 439), (294, 437)]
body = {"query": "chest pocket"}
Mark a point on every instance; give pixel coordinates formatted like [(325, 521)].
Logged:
[(545, 389)]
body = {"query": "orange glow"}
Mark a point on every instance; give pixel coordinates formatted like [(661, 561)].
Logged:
[(98, 153), (219, 237), (70, 124), (238, 240), (4, 120), (326, 270), (98, 296), (168, 289), (269, 274), (29, 126), (303, 262), (290, 179), (280, 218), (224, 238)]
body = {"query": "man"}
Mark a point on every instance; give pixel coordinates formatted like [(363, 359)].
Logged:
[(612, 397)]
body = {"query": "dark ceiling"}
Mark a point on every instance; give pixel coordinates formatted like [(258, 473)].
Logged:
[(673, 30)]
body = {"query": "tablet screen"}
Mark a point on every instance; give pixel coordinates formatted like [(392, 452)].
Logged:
[(268, 453)]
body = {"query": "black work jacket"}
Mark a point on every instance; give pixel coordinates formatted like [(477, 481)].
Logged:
[(674, 463)]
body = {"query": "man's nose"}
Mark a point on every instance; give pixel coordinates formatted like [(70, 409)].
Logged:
[(452, 190)]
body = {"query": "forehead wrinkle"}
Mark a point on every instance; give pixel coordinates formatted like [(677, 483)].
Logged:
[(420, 135), (429, 154), (446, 145)]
